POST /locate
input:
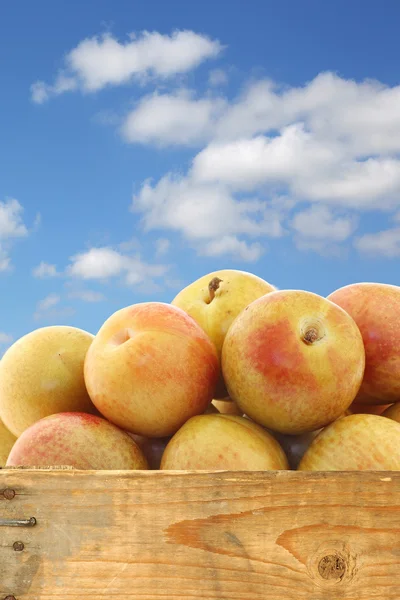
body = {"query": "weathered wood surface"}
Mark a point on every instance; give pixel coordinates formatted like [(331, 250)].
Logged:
[(209, 536)]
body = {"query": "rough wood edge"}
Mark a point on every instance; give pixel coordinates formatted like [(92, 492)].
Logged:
[(234, 475)]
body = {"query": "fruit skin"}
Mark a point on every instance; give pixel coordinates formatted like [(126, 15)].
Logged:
[(375, 307), (150, 368), (355, 443), (42, 374), (7, 440), (293, 361), (78, 440), (392, 412), (216, 309), (223, 442)]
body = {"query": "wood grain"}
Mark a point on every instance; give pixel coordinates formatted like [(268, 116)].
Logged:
[(210, 536)]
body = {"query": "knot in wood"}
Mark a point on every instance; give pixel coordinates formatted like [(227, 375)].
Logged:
[(332, 566)]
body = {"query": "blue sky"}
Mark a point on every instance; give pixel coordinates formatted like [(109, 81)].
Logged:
[(145, 144)]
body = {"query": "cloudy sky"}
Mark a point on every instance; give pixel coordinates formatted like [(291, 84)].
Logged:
[(144, 144)]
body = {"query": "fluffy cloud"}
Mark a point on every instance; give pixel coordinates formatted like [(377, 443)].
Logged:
[(245, 164), (104, 263), (333, 144), (44, 270), (11, 225), (103, 61), (318, 222), (364, 115), (11, 228), (201, 211), (172, 119), (230, 244), (321, 229), (383, 243), (207, 215)]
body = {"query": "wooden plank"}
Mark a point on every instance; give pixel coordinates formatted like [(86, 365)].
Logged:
[(210, 536)]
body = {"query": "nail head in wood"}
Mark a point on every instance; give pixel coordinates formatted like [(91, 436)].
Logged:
[(18, 546), (9, 494)]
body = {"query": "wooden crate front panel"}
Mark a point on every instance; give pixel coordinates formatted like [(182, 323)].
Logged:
[(208, 536)]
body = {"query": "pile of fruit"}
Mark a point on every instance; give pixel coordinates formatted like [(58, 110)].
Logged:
[(233, 374)]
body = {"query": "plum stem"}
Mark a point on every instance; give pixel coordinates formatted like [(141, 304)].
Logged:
[(213, 286), (311, 335)]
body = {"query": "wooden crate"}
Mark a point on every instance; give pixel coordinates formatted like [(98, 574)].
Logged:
[(210, 536)]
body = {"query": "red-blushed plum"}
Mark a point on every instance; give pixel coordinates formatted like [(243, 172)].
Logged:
[(293, 361), (223, 442), (375, 307), (150, 368), (78, 440)]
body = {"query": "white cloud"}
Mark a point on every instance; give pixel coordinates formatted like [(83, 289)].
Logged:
[(44, 270), (48, 302), (87, 295), (364, 115), (172, 119), (104, 263), (319, 223), (374, 183), (103, 61), (11, 227), (208, 216), (5, 338), (232, 245), (201, 211), (217, 77), (308, 168), (292, 156), (383, 243), (162, 246), (332, 143), (257, 110), (327, 143), (40, 92), (11, 224), (97, 263)]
